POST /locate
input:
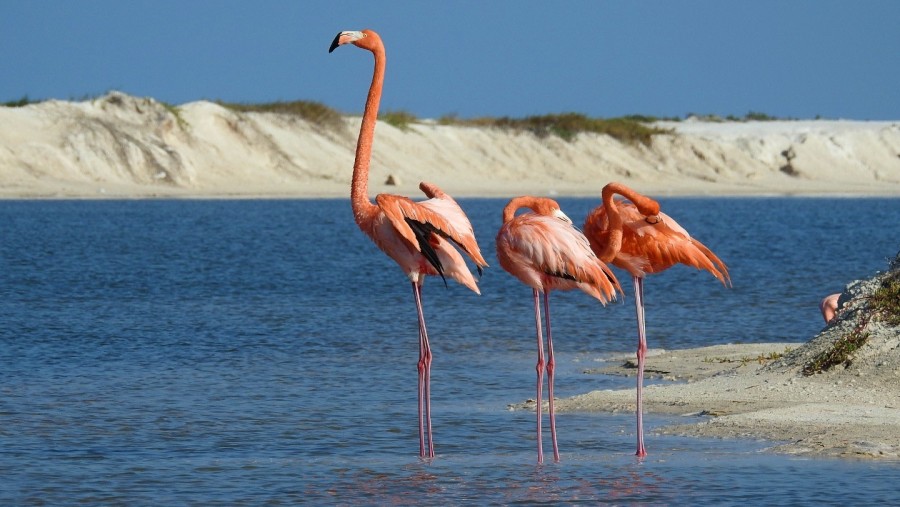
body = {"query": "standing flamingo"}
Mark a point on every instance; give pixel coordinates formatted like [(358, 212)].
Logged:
[(417, 235), (545, 251), (640, 239)]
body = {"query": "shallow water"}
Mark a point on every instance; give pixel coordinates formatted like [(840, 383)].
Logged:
[(263, 352)]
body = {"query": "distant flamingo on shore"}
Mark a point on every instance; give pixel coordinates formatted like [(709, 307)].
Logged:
[(828, 307), (545, 252), (417, 235), (640, 239)]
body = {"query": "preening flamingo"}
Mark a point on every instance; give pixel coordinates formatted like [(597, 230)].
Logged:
[(417, 235), (545, 251), (640, 239), (828, 307)]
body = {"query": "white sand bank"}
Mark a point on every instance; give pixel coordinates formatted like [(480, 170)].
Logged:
[(124, 146)]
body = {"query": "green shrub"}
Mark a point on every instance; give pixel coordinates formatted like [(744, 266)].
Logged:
[(399, 119), (567, 126), (757, 116), (24, 101), (313, 112), (841, 352), (886, 300)]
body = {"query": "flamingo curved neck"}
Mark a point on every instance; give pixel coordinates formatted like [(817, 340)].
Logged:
[(613, 243), (509, 211), (644, 204), (359, 189)]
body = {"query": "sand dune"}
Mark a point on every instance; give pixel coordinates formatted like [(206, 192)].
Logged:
[(119, 145)]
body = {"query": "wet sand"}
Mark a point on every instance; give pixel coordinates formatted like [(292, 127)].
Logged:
[(726, 391)]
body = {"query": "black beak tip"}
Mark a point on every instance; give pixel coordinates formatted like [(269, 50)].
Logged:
[(335, 43)]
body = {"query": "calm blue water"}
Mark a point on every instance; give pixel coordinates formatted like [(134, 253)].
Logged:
[(263, 353)]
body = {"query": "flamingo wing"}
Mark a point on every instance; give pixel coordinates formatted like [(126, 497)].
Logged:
[(440, 215), (424, 227), (664, 243), (447, 207)]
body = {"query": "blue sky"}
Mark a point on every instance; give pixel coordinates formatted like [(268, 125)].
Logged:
[(786, 58)]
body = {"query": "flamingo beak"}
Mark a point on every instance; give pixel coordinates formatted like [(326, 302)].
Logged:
[(562, 216), (345, 37), (335, 43)]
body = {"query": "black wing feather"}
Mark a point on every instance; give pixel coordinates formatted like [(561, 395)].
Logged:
[(423, 231)]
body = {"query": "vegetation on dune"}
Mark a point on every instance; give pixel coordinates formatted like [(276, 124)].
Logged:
[(24, 101), (311, 111), (750, 116), (886, 300), (841, 351), (567, 126), (399, 119), (632, 129)]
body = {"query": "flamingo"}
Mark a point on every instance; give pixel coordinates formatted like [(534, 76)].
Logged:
[(828, 307), (418, 236), (640, 239), (545, 251)]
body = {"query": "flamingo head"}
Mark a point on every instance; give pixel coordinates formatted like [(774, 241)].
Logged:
[(366, 39), (549, 207), (558, 213)]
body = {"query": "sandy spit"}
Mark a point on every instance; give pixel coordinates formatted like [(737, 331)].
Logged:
[(760, 391), (725, 392), (124, 146)]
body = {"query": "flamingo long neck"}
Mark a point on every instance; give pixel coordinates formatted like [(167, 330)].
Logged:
[(359, 188), (644, 204)]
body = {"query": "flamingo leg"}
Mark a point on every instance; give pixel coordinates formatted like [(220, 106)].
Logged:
[(424, 367), (551, 368), (641, 353), (540, 374)]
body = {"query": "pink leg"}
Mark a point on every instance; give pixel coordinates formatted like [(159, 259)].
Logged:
[(641, 352), (424, 367), (551, 367), (540, 374)]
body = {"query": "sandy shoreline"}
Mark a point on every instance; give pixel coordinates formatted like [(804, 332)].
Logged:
[(724, 391)]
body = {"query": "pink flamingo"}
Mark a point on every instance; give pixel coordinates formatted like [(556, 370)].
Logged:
[(640, 239), (829, 306), (545, 251), (417, 235)]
